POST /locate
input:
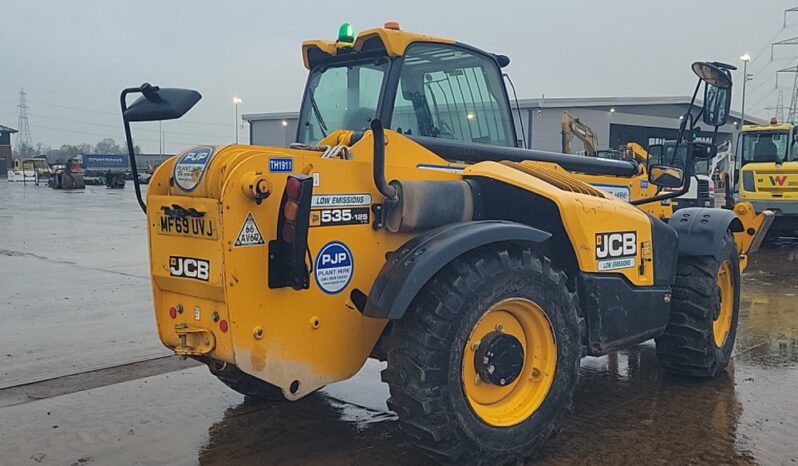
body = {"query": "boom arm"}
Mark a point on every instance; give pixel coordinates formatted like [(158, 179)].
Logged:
[(573, 127)]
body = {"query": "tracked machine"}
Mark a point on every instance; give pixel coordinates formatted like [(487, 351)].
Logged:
[(405, 225)]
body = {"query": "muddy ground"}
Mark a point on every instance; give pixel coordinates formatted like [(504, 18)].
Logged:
[(84, 379)]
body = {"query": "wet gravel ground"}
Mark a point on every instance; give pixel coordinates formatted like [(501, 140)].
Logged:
[(84, 380)]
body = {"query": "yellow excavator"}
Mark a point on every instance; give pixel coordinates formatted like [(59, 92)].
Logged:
[(571, 126)]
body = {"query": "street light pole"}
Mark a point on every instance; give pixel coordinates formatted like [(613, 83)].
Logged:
[(737, 150), (236, 101)]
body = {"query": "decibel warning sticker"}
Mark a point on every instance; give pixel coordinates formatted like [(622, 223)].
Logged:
[(333, 267), (249, 234)]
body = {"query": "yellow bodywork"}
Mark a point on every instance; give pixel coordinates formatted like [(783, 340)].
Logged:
[(394, 41), (770, 186), (283, 335), (302, 340)]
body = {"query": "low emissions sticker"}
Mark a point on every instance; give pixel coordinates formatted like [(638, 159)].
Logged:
[(340, 200)]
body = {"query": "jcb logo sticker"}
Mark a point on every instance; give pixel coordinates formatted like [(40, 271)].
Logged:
[(616, 250), (189, 267), (616, 244)]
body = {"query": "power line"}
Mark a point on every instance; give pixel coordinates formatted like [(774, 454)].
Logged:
[(91, 123), (117, 114), (106, 135)]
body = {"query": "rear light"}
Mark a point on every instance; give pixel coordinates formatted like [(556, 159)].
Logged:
[(293, 187), (287, 264), (290, 210), (173, 312), (289, 233), (223, 326)]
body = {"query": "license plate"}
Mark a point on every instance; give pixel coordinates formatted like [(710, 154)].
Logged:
[(192, 227)]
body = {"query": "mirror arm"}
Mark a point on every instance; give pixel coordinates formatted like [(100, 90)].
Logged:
[(130, 151)]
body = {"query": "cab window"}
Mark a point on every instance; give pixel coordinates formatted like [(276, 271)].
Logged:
[(765, 146), (341, 96), (452, 93)]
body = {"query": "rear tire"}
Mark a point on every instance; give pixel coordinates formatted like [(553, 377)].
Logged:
[(431, 357), (702, 328), (245, 384)]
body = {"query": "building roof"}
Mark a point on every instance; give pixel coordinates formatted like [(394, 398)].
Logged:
[(6, 129), (557, 102)]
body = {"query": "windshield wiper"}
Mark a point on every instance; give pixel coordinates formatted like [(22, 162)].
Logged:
[(315, 107)]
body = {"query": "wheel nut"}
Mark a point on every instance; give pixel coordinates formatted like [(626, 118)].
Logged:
[(499, 327), (535, 373), (475, 346), (257, 332), (477, 380)]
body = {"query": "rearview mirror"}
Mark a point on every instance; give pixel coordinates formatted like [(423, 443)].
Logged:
[(703, 150), (717, 103), (666, 176), (161, 104), (712, 74)]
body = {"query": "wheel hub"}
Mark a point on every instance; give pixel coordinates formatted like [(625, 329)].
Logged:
[(499, 359)]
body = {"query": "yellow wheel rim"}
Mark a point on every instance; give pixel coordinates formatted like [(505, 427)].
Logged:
[(721, 326), (507, 405)]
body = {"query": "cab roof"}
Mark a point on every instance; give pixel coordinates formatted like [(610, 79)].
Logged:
[(392, 41)]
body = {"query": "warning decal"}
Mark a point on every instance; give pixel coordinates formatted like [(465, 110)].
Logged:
[(249, 234)]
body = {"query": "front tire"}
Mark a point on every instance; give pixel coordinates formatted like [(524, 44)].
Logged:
[(702, 328), (484, 364)]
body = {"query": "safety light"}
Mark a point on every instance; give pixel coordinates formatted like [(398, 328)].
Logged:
[(173, 312), (346, 35), (223, 326)]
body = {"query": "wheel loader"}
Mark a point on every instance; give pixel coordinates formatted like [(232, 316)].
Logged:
[(406, 225)]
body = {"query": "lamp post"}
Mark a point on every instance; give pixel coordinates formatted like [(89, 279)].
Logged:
[(737, 152), (236, 101)]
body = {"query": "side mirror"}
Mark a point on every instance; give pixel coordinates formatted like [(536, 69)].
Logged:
[(666, 176), (703, 150), (161, 104), (717, 103)]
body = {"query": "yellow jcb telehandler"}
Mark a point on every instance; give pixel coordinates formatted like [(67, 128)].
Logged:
[(406, 225)]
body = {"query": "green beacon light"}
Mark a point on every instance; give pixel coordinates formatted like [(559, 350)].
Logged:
[(346, 36)]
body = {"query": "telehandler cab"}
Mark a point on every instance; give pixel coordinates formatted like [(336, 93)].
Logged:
[(406, 225)]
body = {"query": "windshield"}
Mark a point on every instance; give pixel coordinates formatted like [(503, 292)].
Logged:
[(341, 96), (768, 146), (452, 93)]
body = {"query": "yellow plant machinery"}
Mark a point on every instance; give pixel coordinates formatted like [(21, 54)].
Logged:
[(405, 225)]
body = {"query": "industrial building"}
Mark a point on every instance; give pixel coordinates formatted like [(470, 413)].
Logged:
[(614, 120), (5, 148)]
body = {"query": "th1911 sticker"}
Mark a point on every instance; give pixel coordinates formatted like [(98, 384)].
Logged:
[(333, 267), (249, 234), (281, 164), (342, 216)]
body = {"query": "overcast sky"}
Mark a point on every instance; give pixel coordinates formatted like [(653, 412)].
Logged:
[(73, 57)]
